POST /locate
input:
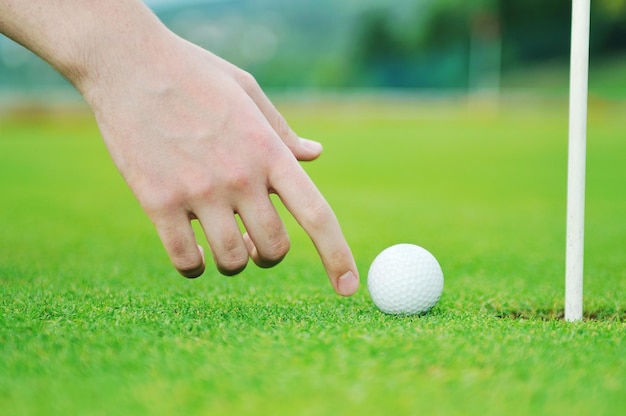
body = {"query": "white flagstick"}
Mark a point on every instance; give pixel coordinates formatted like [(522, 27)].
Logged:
[(579, 70)]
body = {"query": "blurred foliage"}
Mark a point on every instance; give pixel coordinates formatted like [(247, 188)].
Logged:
[(421, 44), (528, 32), (613, 6)]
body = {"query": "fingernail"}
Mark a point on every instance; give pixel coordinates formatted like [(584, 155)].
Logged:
[(201, 252), (347, 284), (312, 145)]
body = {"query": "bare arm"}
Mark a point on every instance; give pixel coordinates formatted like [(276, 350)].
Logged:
[(194, 136)]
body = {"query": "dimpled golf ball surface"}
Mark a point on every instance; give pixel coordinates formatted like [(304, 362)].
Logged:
[(405, 279)]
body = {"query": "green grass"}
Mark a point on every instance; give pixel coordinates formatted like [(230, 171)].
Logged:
[(93, 321)]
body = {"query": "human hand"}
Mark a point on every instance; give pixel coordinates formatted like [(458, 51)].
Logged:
[(196, 138)]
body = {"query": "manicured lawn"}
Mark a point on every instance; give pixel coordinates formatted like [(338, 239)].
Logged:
[(93, 320)]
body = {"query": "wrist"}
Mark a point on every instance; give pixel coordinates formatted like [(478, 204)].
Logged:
[(86, 41), (130, 39)]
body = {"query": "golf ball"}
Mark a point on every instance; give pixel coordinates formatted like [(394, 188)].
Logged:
[(405, 279)]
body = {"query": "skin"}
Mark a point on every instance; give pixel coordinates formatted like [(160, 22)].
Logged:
[(194, 136)]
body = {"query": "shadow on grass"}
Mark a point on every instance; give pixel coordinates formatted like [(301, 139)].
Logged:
[(555, 314)]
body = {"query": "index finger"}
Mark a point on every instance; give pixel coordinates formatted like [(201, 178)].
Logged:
[(305, 202)]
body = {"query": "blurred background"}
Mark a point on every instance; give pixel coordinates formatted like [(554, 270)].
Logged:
[(488, 47)]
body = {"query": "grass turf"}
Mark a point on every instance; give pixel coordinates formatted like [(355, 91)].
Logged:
[(94, 321)]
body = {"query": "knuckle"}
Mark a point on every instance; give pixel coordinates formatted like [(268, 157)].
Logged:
[(239, 181), (318, 215), (162, 201), (204, 191), (265, 140), (276, 251), (233, 259), (232, 266), (246, 80), (339, 257), (188, 264), (171, 195), (231, 245), (282, 127)]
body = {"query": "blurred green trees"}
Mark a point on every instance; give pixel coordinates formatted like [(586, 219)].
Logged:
[(421, 44), (439, 54)]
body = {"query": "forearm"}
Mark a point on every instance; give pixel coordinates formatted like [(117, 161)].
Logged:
[(83, 39)]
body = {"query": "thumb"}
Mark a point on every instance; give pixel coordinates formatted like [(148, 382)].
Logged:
[(304, 149)]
